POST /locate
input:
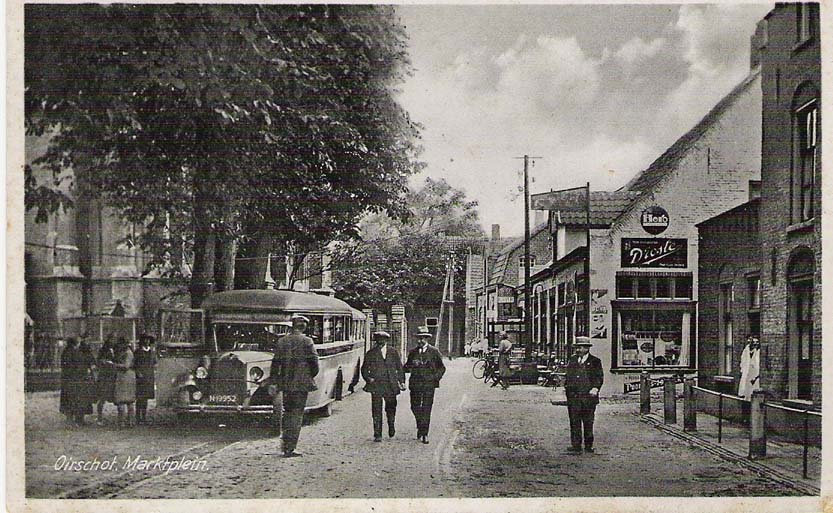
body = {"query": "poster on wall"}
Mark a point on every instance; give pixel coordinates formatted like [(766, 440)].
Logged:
[(598, 313), (655, 253)]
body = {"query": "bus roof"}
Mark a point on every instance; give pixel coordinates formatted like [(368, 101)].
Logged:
[(358, 315), (264, 300)]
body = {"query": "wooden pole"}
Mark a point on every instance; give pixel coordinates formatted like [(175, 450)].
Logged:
[(757, 425), (644, 393), (689, 406), (670, 400)]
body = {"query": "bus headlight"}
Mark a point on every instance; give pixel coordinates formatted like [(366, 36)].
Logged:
[(201, 373), (196, 395), (255, 374)]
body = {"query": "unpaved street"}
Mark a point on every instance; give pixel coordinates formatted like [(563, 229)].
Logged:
[(483, 442)]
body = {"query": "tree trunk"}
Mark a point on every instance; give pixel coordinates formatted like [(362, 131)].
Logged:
[(224, 268), (202, 277)]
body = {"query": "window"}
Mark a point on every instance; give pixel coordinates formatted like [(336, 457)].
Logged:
[(807, 139), (630, 286), (803, 27), (522, 261), (431, 322), (754, 292), (727, 327), (654, 338), (562, 294), (800, 273)]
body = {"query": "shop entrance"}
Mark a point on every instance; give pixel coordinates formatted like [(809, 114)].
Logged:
[(800, 325)]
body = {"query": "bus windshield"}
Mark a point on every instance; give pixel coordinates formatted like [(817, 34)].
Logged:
[(249, 336)]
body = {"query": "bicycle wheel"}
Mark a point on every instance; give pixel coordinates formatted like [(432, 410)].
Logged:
[(479, 369)]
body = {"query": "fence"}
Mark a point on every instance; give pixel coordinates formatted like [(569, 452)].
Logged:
[(758, 416)]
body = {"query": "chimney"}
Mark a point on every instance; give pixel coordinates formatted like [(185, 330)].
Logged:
[(757, 43), (495, 233)]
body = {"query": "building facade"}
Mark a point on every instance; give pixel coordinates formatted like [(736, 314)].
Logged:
[(729, 296), (790, 208)]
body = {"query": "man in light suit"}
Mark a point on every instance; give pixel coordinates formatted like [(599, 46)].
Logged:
[(425, 363), (385, 378), (584, 377)]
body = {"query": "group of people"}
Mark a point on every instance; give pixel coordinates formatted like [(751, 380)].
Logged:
[(116, 375), (295, 365)]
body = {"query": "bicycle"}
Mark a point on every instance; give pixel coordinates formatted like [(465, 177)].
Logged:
[(486, 369)]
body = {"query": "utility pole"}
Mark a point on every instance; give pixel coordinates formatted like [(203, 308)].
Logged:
[(587, 261), (527, 291), (451, 309)]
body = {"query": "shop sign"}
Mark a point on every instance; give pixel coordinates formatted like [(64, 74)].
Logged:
[(654, 252), (598, 312), (654, 220), (633, 386)]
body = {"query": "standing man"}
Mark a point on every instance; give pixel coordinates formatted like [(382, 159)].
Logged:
[(294, 368), (584, 378), (385, 378), (425, 363), (504, 350)]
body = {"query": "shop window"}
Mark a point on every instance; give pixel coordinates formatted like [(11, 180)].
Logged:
[(682, 287), (804, 168), (562, 294), (643, 288), (663, 288), (654, 338), (648, 287), (581, 289), (624, 288)]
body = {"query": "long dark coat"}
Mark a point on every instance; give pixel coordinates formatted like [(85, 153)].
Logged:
[(503, 358), (383, 375), (426, 368), (580, 378), (144, 363), (77, 386), (295, 364)]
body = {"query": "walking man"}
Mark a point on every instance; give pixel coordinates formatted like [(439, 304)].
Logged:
[(584, 378), (425, 364), (294, 368), (385, 378)]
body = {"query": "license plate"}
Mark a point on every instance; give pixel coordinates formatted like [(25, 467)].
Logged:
[(222, 398)]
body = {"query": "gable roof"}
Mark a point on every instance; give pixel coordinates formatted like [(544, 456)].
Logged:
[(664, 165), (498, 274)]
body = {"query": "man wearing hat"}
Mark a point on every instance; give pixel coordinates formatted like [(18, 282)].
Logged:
[(384, 377), (425, 363), (292, 374), (584, 378)]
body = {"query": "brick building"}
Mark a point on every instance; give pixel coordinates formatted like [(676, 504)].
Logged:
[(790, 210), (729, 298)]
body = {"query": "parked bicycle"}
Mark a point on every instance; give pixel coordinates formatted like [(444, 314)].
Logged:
[(486, 369)]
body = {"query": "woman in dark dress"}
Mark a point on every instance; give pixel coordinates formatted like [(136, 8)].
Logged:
[(125, 387), (145, 365), (106, 382)]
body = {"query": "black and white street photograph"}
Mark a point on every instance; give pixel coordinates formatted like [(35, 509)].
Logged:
[(433, 257)]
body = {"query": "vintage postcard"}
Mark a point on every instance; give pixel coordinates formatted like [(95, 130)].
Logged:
[(423, 257)]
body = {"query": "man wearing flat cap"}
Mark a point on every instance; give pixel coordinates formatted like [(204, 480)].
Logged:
[(292, 374), (384, 377), (584, 378), (425, 363)]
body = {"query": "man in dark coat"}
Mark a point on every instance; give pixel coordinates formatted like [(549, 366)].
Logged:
[(292, 374), (584, 377), (385, 378), (425, 363)]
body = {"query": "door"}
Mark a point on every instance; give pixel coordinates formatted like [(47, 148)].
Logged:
[(802, 299)]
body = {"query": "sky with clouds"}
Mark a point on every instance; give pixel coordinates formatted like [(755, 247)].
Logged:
[(598, 91)]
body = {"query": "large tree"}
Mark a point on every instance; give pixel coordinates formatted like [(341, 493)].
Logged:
[(214, 124), (404, 261)]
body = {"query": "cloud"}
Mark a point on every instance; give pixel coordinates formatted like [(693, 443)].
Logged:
[(637, 49), (715, 47)]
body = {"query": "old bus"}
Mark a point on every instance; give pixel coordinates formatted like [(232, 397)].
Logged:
[(217, 358)]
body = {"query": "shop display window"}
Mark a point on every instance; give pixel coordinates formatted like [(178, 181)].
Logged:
[(654, 338), (653, 287)]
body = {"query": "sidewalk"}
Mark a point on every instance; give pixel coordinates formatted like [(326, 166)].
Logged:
[(783, 460)]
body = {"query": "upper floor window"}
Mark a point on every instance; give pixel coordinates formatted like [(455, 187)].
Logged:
[(803, 26), (522, 261), (804, 171)]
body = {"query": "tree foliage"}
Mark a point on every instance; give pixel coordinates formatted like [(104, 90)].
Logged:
[(404, 262), (221, 123)]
